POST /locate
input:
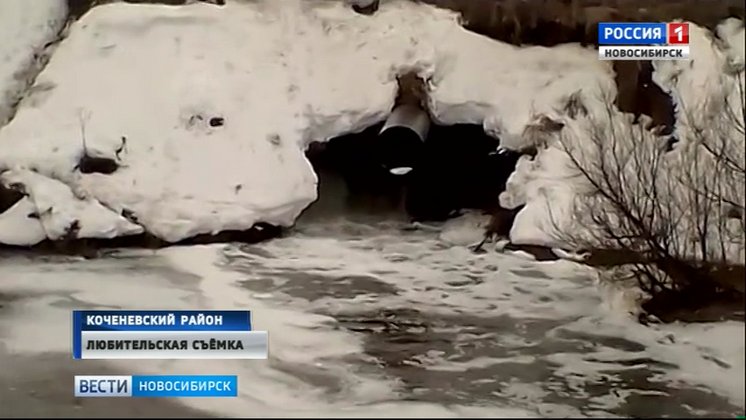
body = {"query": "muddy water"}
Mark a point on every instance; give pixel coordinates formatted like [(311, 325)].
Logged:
[(444, 326), (480, 353), (365, 312)]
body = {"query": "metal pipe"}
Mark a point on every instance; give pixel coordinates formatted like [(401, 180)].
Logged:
[(411, 117), (402, 138)]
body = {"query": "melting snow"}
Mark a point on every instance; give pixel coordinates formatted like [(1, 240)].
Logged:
[(24, 30), (157, 75)]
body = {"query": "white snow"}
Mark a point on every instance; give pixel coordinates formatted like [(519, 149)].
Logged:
[(478, 80), (16, 228), (149, 72), (57, 209), (24, 29), (283, 73), (321, 70), (547, 188), (547, 185), (694, 84), (732, 32)]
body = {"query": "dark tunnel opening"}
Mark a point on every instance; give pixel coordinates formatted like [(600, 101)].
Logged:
[(456, 167)]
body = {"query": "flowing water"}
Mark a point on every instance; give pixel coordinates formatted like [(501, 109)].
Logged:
[(368, 317)]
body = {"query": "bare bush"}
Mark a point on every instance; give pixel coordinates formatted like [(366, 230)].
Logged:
[(678, 210), (719, 144)]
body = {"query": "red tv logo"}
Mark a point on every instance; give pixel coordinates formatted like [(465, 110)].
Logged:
[(678, 33)]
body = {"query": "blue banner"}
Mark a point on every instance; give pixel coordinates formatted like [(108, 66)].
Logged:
[(185, 386), (618, 33), (159, 386), (162, 320)]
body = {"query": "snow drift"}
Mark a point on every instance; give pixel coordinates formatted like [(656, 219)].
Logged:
[(280, 74), (25, 30), (548, 183)]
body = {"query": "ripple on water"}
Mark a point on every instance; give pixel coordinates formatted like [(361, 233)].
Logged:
[(467, 360), (313, 286), (536, 274), (469, 280), (454, 328)]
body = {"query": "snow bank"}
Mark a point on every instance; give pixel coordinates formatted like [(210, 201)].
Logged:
[(709, 97), (546, 185), (547, 188), (280, 74), (503, 86), (59, 211), (696, 83), (731, 31), (25, 28), (16, 228)]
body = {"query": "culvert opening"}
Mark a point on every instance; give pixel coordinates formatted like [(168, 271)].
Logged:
[(456, 167), (409, 167), (460, 168), (352, 181)]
